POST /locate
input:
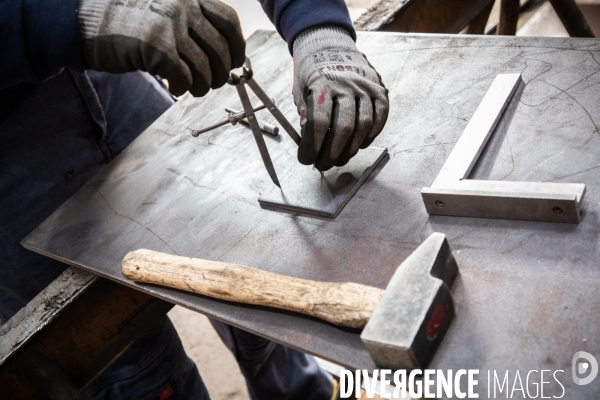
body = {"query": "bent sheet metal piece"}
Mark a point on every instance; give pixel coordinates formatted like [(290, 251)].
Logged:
[(453, 194), (326, 194)]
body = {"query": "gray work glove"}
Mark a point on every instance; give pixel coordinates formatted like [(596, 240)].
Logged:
[(342, 102), (191, 43)]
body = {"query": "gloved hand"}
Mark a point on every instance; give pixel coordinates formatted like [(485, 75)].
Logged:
[(342, 102), (191, 43)]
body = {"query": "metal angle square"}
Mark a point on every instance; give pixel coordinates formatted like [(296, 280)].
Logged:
[(453, 194), (305, 190)]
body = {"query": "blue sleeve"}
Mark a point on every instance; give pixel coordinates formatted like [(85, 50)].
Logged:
[(39, 38), (291, 17)]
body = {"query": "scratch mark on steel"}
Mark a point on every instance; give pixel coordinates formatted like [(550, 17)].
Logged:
[(418, 147), (236, 243), (570, 67), (133, 220), (574, 173), (581, 105), (541, 73), (542, 163)]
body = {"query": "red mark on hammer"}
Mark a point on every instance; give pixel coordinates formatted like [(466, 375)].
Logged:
[(436, 321), (321, 99), (165, 394)]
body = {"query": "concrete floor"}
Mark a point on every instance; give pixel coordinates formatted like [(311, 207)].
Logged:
[(217, 366)]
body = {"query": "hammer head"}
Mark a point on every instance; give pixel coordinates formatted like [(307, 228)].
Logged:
[(416, 309)]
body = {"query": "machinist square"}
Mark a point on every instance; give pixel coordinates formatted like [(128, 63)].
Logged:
[(304, 190)]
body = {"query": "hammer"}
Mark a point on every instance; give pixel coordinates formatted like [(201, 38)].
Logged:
[(403, 325)]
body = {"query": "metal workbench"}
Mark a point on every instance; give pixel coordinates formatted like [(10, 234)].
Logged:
[(527, 296)]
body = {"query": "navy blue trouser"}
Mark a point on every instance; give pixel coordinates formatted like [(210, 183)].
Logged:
[(53, 138)]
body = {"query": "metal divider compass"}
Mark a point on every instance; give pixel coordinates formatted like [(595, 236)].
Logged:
[(239, 82)]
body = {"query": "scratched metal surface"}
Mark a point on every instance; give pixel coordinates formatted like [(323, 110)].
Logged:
[(527, 295)]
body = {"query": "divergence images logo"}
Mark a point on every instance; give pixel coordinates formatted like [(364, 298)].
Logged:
[(580, 368)]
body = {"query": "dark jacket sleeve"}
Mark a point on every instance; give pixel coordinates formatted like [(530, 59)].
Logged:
[(291, 17), (38, 39)]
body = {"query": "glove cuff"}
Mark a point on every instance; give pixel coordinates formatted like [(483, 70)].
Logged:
[(322, 38), (91, 14)]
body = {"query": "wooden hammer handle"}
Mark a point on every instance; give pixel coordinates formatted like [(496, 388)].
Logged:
[(344, 304)]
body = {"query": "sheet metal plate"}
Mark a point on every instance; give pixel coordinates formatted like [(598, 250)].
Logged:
[(306, 191), (527, 295)]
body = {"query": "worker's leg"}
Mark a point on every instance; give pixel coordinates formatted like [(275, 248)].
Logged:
[(156, 367), (55, 137), (273, 371)]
